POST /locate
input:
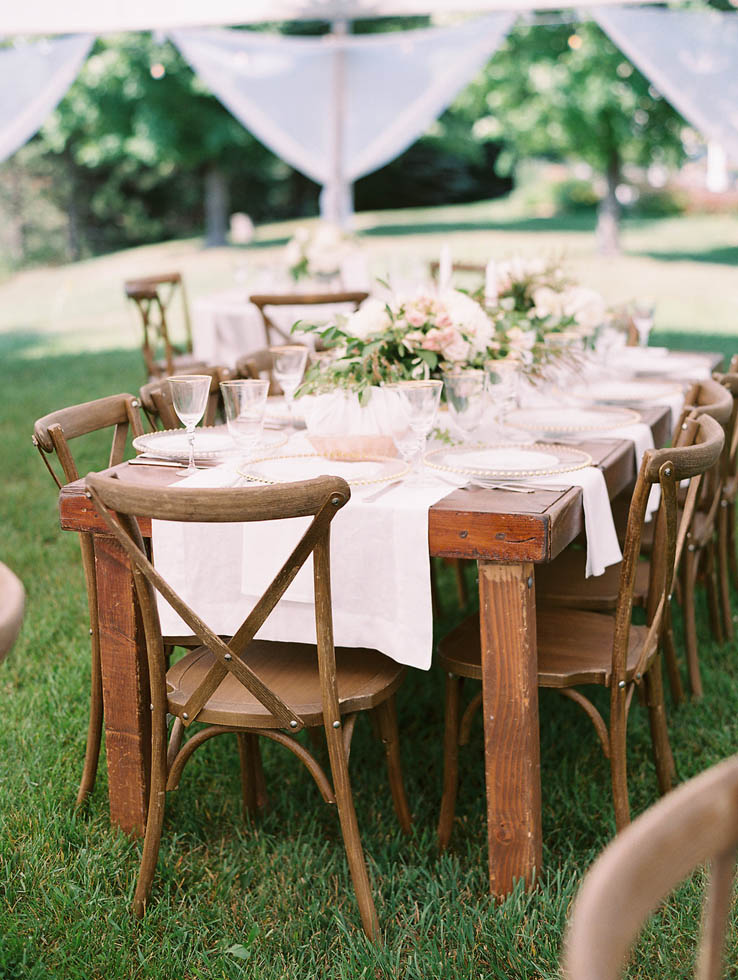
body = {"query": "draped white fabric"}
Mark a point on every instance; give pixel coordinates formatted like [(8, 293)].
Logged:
[(691, 56), (338, 117), (33, 79)]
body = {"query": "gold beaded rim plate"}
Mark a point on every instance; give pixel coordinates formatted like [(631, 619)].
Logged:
[(546, 422), (573, 459), (396, 468), (155, 443)]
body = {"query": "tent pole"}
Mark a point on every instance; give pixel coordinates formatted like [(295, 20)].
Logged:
[(340, 195)]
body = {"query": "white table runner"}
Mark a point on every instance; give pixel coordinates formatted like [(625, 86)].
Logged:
[(379, 562)]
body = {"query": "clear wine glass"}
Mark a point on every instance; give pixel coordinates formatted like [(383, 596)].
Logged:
[(414, 414), (190, 397), (244, 402), (643, 317), (503, 385), (288, 367), (465, 391)]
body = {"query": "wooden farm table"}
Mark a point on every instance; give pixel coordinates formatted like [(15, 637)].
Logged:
[(506, 533)]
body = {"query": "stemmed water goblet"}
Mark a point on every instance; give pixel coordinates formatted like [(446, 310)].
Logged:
[(643, 316), (413, 412), (288, 367), (503, 385), (190, 397), (244, 402), (465, 397)]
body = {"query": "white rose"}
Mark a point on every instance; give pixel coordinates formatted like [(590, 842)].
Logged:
[(547, 302), (371, 318), (469, 317), (293, 253), (586, 307)]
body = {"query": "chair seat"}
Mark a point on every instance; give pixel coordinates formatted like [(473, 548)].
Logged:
[(365, 678), (574, 647), (563, 583)]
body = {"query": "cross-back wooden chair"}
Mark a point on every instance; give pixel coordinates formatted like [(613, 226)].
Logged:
[(12, 604), (727, 565), (578, 647), (563, 582), (157, 402), (153, 296), (273, 333), (51, 436), (695, 825), (434, 268), (259, 365), (255, 688)]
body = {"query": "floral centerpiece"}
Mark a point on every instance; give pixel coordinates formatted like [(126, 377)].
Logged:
[(317, 252)]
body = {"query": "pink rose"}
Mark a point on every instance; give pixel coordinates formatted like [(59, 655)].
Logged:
[(415, 317)]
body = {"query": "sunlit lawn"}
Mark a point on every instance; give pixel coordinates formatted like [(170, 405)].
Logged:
[(273, 899)]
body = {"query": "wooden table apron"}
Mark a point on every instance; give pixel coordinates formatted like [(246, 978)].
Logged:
[(506, 533)]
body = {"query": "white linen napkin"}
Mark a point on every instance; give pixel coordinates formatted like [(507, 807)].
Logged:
[(602, 540)]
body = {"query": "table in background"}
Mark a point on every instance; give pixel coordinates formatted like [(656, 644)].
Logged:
[(506, 533)]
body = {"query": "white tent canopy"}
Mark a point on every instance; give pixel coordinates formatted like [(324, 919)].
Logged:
[(53, 17)]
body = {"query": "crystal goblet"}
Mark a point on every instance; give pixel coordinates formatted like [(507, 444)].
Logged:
[(244, 402), (414, 414), (288, 367), (190, 397), (465, 391)]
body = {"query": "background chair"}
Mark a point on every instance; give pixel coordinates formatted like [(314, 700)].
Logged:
[(258, 365), (51, 436), (153, 296), (274, 334), (727, 566), (578, 647), (251, 687), (157, 402), (12, 604), (696, 824)]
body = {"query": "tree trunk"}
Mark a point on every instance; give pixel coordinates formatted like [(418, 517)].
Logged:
[(16, 209), (216, 207), (74, 248), (608, 213)]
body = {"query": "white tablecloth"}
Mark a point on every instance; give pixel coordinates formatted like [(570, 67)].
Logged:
[(379, 560)]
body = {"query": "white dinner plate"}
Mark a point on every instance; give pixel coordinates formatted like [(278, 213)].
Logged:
[(355, 470), (212, 443), (561, 419), (636, 393), (506, 462)]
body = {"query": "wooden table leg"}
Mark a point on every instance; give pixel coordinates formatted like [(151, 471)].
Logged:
[(511, 740), (125, 680)]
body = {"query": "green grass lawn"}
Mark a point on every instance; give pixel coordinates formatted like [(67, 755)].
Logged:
[(273, 899)]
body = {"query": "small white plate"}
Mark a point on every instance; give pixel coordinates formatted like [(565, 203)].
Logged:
[(635, 393), (356, 471), (562, 419), (506, 462), (212, 443)]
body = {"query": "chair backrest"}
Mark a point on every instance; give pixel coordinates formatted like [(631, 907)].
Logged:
[(258, 364), (153, 297), (157, 402), (695, 824), (274, 333), (12, 603), (730, 454), (119, 504), (53, 433), (709, 397), (435, 267), (698, 449)]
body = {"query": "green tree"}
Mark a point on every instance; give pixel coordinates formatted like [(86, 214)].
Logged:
[(567, 92)]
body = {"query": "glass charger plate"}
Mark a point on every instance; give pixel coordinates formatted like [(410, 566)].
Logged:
[(626, 392), (506, 462), (211, 444), (355, 470), (563, 419)]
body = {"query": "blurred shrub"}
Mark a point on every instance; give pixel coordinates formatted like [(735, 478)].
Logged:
[(662, 202)]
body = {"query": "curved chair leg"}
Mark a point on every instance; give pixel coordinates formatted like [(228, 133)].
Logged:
[(450, 760), (386, 715), (155, 818), (723, 569), (672, 664), (461, 592), (662, 755), (253, 784), (618, 760), (716, 622), (94, 727), (689, 576), (732, 552), (350, 831)]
